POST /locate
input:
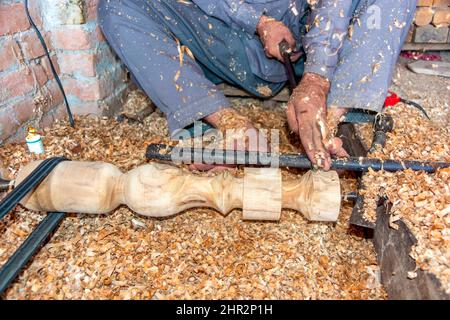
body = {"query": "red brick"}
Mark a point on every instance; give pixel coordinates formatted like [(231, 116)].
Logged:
[(60, 112), (16, 84), (31, 46), (83, 64), (23, 81), (7, 124), (45, 63), (84, 90), (7, 54), (35, 13), (57, 113), (92, 6), (89, 108), (74, 38), (40, 74), (46, 121), (24, 110), (53, 92), (13, 18), (100, 35)]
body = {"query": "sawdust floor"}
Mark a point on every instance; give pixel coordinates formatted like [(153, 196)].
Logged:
[(197, 254), (420, 200)]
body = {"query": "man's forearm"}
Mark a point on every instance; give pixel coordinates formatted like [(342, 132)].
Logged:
[(329, 22)]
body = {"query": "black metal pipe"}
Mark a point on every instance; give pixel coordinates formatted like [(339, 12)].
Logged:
[(29, 247), (351, 196), (383, 124), (191, 155), (28, 184)]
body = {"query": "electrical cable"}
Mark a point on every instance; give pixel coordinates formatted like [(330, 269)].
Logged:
[(52, 67)]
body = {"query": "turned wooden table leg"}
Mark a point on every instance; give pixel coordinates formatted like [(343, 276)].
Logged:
[(160, 190)]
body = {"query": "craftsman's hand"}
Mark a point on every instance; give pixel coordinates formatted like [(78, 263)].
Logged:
[(307, 116), (272, 33)]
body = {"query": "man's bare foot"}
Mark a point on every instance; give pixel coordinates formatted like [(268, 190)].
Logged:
[(235, 128), (228, 118)]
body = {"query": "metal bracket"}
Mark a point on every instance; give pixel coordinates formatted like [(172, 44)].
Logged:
[(31, 245)]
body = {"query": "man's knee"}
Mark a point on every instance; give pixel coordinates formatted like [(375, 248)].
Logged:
[(105, 13), (382, 13), (112, 12), (404, 9)]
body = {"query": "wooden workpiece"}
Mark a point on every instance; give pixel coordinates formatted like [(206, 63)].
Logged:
[(160, 190)]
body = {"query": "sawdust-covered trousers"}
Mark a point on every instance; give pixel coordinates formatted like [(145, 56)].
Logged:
[(150, 37)]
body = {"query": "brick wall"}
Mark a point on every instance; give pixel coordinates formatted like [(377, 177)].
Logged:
[(94, 80), (431, 24)]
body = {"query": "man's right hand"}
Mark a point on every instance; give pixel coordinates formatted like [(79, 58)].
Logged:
[(272, 32)]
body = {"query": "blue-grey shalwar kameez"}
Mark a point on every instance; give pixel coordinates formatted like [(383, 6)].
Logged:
[(149, 35)]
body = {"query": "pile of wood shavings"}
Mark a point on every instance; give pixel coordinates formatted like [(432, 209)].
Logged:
[(93, 138), (197, 254), (137, 106), (421, 200), (200, 255), (413, 138)]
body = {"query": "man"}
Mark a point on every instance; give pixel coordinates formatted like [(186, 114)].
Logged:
[(350, 47)]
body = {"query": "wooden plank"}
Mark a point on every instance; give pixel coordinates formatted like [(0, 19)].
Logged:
[(426, 46), (393, 248), (434, 68)]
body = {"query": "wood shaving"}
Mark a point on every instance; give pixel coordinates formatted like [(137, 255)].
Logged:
[(197, 255), (419, 199), (264, 90), (137, 106)]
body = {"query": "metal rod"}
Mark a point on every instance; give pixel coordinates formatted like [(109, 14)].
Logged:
[(29, 247), (383, 124), (211, 156), (351, 196), (30, 182)]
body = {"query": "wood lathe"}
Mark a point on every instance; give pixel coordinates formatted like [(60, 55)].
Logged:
[(161, 190)]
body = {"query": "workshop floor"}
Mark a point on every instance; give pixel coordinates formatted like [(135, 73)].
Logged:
[(199, 254)]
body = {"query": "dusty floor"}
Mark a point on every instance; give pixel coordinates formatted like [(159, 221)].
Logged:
[(198, 254)]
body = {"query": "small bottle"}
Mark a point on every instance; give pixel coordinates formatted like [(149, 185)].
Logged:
[(34, 141)]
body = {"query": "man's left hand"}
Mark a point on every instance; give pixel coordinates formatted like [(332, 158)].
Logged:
[(307, 116)]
